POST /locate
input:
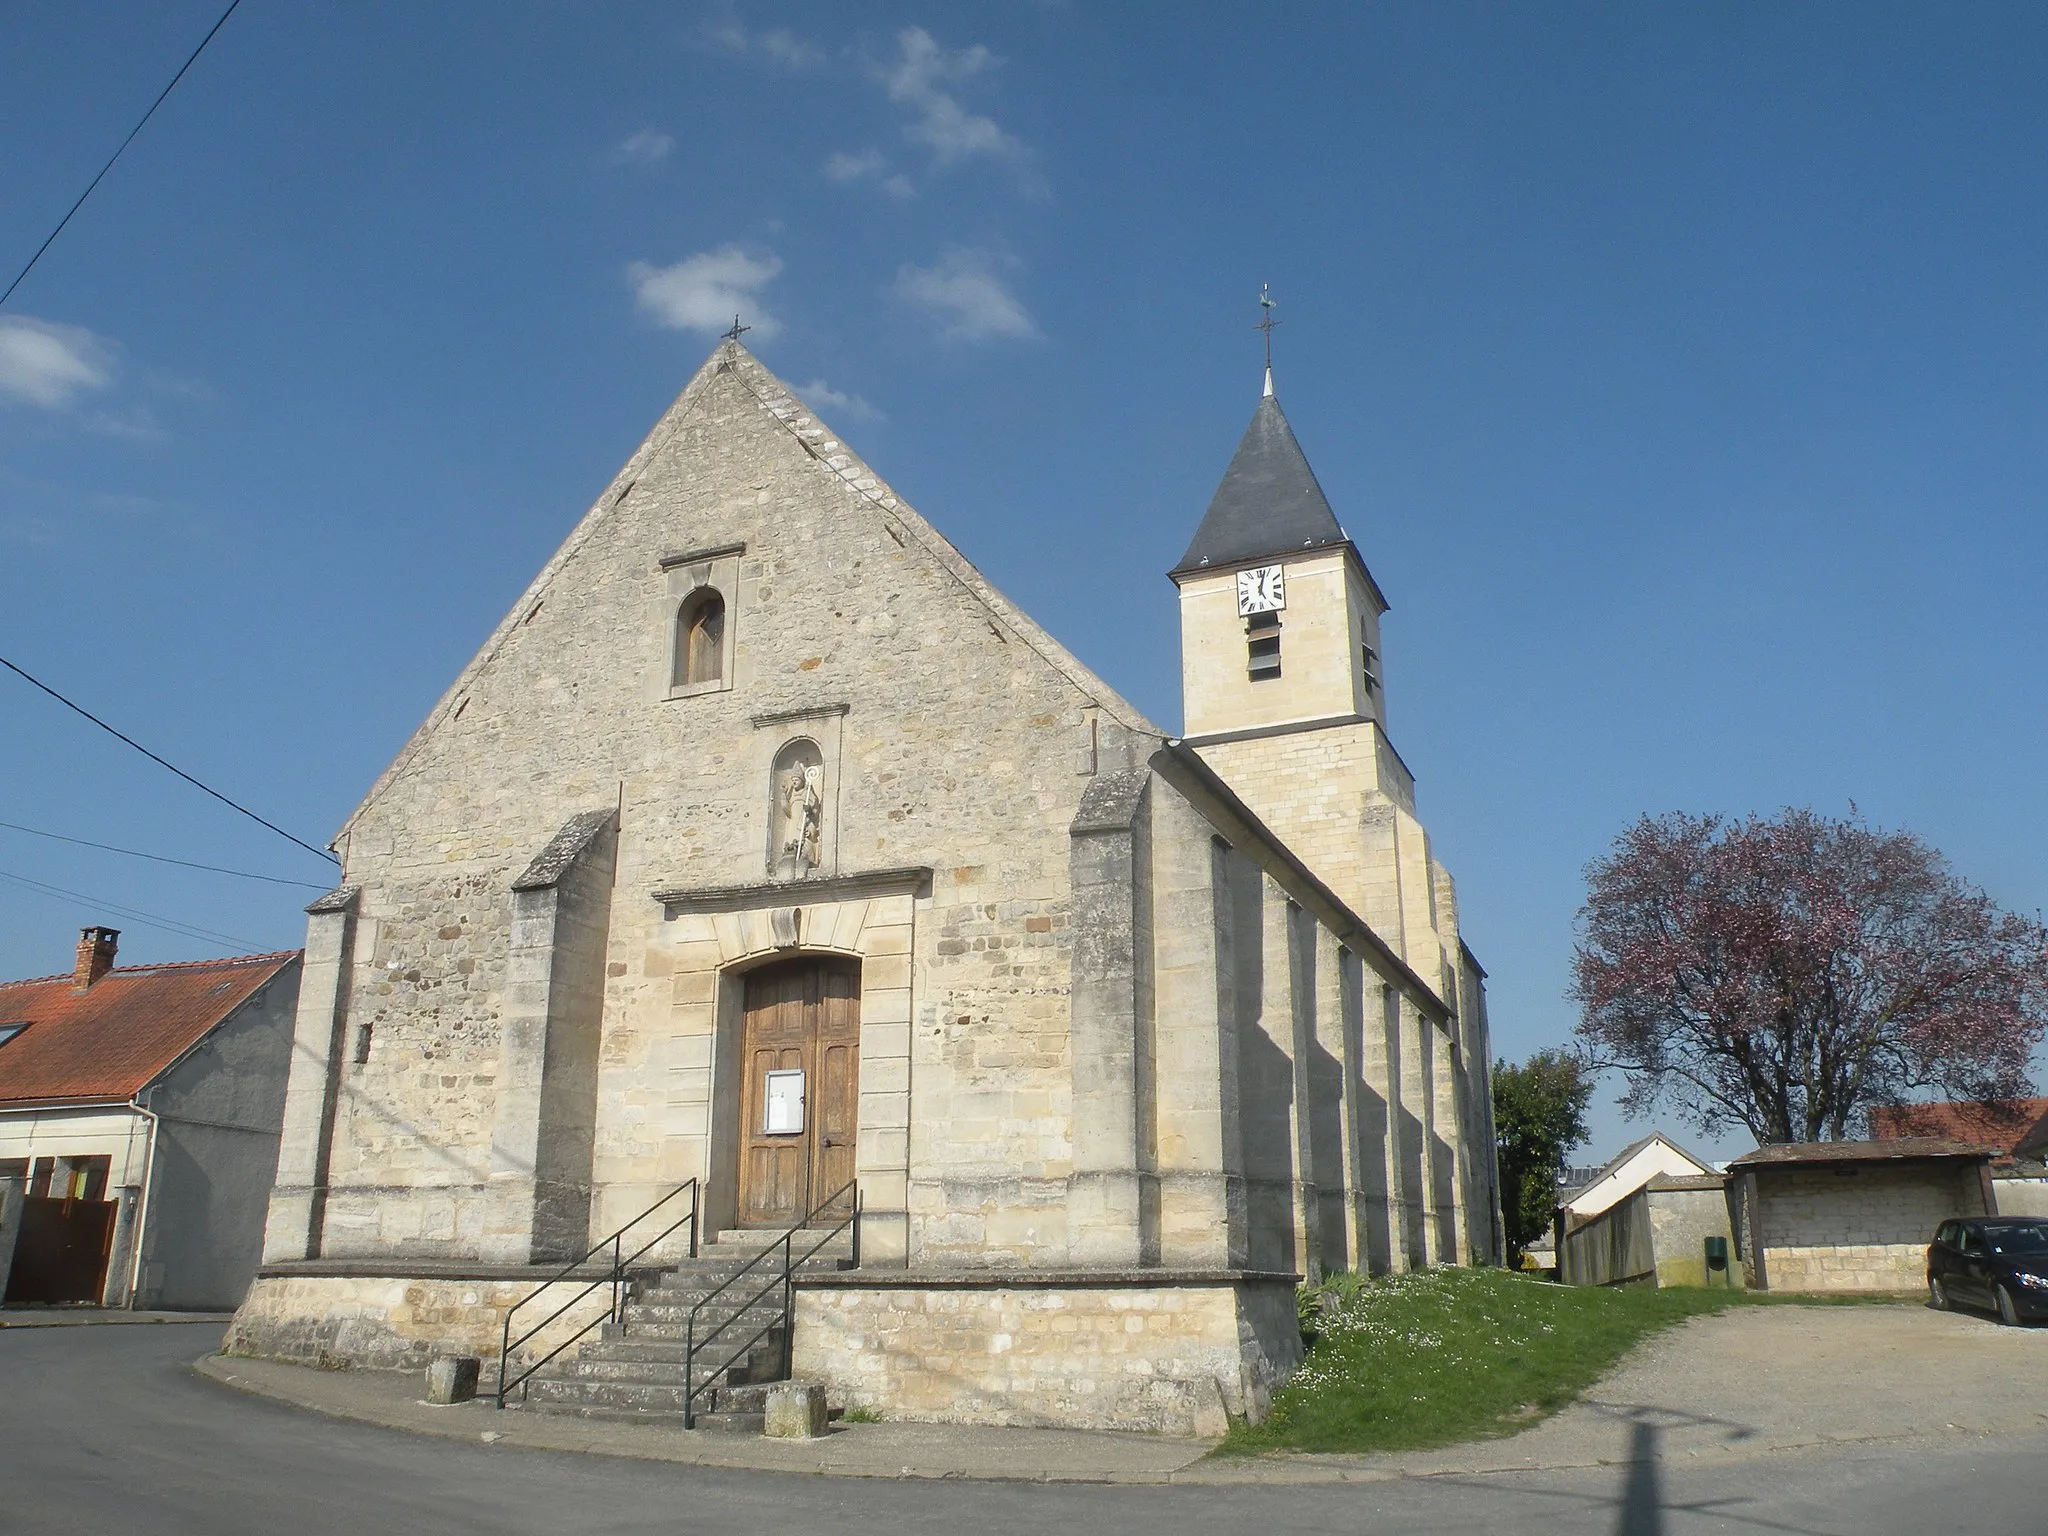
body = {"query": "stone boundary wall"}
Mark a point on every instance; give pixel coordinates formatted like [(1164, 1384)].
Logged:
[(381, 1322), (1170, 1358), (1681, 1221)]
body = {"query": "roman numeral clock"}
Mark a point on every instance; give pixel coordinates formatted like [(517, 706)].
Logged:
[(1262, 589), (1261, 594)]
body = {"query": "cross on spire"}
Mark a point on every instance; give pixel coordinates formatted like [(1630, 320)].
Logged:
[(1266, 324), (737, 331)]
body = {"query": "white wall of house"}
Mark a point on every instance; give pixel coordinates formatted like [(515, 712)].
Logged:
[(117, 1133), (1652, 1158), (2020, 1197), (68, 1136)]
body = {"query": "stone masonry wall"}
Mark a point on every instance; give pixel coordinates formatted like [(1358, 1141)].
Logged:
[(1328, 617), (1864, 1230), (387, 1323), (1681, 1221), (966, 738), (1173, 1359)]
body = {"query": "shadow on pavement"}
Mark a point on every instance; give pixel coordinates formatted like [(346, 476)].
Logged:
[(1640, 1505)]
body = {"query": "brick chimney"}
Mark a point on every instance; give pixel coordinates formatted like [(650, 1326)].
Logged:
[(96, 948)]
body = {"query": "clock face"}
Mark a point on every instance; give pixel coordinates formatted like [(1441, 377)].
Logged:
[(1262, 590)]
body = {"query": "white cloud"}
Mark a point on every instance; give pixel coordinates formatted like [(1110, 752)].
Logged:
[(918, 81), (777, 46), (869, 163), (51, 365), (818, 392), (845, 167), (704, 292), (644, 148), (964, 293)]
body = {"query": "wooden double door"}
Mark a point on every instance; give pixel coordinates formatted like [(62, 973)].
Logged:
[(800, 1052)]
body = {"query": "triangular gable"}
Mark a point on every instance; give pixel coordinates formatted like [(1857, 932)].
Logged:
[(832, 457)]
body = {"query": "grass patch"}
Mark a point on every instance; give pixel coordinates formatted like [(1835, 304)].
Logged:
[(1456, 1354), (860, 1416)]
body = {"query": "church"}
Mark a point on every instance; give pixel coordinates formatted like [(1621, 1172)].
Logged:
[(767, 861)]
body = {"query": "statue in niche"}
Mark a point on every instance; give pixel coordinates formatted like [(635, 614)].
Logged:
[(797, 819)]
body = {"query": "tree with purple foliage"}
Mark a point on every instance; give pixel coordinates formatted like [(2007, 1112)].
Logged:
[(1788, 974)]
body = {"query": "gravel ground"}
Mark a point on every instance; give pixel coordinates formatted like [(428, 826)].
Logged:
[(1756, 1379)]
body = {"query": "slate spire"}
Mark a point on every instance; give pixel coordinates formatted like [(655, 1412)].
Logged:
[(1269, 502)]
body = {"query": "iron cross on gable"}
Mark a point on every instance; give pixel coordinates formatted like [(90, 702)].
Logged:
[(737, 331), (1266, 321)]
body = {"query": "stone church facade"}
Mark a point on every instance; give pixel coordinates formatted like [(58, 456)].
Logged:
[(765, 844)]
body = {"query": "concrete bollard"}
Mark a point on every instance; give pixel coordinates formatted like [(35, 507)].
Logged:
[(794, 1411), (452, 1379)]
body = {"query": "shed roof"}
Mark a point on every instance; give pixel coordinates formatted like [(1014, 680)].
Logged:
[(112, 1040), (1892, 1150)]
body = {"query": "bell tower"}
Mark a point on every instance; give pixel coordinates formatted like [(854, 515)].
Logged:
[(1283, 693), (1279, 618)]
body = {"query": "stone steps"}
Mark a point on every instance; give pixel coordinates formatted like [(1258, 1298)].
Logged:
[(763, 1361), (649, 1348), (634, 1370), (747, 1242), (679, 1310), (552, 1393)]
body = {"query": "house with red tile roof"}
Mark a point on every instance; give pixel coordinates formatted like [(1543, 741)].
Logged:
[(2014, 1126), (140, 1108)]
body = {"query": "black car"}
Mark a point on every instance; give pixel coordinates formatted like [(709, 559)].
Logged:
[(1999, 1262)]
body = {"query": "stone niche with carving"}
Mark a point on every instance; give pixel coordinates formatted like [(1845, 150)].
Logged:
[(803, 792)]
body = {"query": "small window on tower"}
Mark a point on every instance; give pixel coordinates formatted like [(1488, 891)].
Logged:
[(1262, 642), (1371, 664)]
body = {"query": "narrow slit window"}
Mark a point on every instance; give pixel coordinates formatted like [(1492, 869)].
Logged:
[(1262, 644), (700, 639)]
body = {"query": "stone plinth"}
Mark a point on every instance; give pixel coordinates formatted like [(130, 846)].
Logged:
[(1170, 1352), (452, 1379), (795, 1410), (401, 1321)]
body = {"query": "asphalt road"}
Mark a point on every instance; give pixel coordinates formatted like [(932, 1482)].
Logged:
[(103, 1430)]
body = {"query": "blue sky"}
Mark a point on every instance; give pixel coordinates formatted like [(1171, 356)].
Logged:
[(1679, 371)]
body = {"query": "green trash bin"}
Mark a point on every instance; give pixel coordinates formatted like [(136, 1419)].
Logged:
[(1718, 1272)]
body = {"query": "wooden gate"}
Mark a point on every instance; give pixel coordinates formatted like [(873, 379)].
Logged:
[(61, 1253), (800, 1052)]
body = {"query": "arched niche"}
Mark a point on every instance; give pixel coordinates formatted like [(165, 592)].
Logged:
[(797, 805)]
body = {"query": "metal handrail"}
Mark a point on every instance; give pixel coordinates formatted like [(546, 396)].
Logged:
[(614, 1276), (785, 1280)]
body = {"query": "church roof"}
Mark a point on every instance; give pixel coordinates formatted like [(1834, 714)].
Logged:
[(1268, 504)]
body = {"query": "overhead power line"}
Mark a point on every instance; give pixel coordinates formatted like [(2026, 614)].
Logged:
[(158, 858), (147, 919), (24, 272), (79, 709)]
